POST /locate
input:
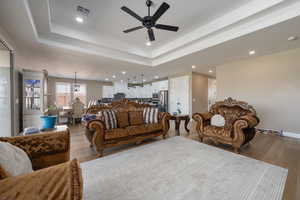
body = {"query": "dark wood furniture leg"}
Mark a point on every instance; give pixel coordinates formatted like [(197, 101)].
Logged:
[(177, 126), (187, 120)]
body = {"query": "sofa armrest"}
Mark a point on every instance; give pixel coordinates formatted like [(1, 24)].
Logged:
[(44, 149), (165, 117), (62, 181), (252, 120), (98, 128), (202, 120)]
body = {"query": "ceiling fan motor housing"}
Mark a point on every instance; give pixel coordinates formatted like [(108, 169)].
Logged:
[(148, 22)]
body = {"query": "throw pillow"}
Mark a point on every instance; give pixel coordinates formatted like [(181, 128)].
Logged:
[(14, 160), (110, 119), (122, 118), (136, 118), (217, 120), (150, 115)]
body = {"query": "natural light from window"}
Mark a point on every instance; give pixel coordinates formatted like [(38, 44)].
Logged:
[(65, 93)]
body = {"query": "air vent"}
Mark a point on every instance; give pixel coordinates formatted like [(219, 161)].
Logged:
[(83, 11)]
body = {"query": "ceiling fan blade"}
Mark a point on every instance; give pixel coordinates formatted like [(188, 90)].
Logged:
[(167, 27), (151, 34), (130, 12), (161, 10), (133, 29)]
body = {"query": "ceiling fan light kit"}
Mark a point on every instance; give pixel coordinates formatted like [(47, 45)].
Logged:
[(149, 22)]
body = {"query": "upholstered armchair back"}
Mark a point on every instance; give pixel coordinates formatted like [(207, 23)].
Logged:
[(231, 110)]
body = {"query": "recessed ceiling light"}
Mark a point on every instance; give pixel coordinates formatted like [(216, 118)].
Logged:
[(79, 19), (210, 71), (123, 72), (114, 76), (292, 38), (148, 43), (122, 81), (144, 80), (252, 52), (156, 77), (106, 79), (194, 67)]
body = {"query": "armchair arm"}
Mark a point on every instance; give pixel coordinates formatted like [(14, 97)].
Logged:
[(62, 181), (252, 120), (202, 120), (97, 139), (243, 129), (45, 149)]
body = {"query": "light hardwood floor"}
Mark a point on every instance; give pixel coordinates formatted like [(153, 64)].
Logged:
[(273, 149)]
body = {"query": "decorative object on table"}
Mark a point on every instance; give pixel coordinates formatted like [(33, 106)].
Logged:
[(178, 119), (48, 122), (178, 108), (31, 130), (149, 22), (240, 122)]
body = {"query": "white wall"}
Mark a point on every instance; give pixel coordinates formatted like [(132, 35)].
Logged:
[(270, 83), (5, 105), (179, 91), (199, 93)]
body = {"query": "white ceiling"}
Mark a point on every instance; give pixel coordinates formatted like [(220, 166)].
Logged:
[(106, 20), (212, 33)]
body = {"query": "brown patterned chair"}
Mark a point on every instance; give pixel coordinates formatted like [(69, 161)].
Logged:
[(130, 129), (45, 149), (55, 177), (239, 128)]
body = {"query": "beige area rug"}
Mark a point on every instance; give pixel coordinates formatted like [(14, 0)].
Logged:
[(181, 169)]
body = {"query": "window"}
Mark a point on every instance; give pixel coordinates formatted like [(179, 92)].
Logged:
[(80, 93), (63, 94)]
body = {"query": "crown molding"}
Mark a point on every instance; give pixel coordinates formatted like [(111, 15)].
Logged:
[(246, 19)]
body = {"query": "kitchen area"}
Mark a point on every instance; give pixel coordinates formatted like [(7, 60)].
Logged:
[(154, 93)]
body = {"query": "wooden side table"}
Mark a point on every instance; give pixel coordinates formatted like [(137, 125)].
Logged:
[(178, 119)]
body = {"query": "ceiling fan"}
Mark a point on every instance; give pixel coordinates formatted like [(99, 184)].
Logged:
[(149, 21)]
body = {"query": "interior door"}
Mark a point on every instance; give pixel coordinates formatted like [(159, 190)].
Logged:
[(5, 91)]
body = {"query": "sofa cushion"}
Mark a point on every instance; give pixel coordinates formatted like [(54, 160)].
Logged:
[(216, 131), (150, 115), (116, 133), (13, 160), (122, 119), (110, 118), (136, 118), (144, 129)]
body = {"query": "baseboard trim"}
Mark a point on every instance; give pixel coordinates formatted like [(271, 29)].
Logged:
[(290, 134)]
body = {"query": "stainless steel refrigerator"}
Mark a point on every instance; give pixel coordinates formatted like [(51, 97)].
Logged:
[(163, 101)]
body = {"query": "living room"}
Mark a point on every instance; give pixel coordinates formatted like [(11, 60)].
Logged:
[(195, 100)]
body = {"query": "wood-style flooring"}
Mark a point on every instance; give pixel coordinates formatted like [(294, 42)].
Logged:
[(273, 149)]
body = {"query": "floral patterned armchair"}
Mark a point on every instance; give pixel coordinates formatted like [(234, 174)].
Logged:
[(238, 129)]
